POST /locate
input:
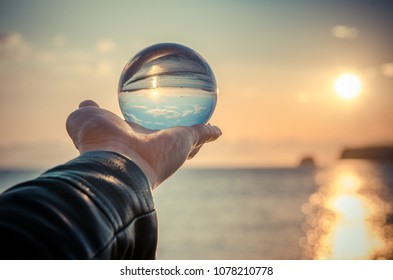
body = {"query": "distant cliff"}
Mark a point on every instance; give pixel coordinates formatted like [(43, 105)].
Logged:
[(373, 153), (307, 161)]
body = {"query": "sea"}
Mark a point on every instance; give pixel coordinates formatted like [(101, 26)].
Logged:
[(339, 212)]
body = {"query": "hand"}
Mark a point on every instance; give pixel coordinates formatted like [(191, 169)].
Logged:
[(158, 153)]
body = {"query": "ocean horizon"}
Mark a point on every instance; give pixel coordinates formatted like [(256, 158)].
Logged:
[(339, 212)]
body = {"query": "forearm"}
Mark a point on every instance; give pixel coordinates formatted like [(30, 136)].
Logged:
[(97, 206)]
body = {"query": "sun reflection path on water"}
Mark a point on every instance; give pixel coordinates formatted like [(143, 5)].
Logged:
[(346, 218)]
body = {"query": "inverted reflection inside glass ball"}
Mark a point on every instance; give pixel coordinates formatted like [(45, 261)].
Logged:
[(167, 85)]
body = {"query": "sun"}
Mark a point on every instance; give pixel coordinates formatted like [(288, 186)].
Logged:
[(347, 86)]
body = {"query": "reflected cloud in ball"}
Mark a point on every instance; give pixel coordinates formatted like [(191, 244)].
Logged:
[(167, 85)]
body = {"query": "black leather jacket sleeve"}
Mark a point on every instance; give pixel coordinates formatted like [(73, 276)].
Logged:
[(96, 206)]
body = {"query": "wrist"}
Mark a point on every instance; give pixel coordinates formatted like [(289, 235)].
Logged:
[(127, 152)]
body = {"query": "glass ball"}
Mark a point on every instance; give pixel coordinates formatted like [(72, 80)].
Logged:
[(167, 85)]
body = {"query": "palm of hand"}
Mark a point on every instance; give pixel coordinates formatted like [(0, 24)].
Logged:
[(158, 153)]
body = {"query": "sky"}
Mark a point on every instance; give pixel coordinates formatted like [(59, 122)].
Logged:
[(275, 63)]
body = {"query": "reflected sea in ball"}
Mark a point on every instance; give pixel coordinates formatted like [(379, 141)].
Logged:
[(167, 85), (168, 107)]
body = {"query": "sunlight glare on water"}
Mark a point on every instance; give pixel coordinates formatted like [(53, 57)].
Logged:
[(346, 218)]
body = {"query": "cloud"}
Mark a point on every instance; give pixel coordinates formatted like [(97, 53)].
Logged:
[(13, 46), (187, 112), (167, 113), (64, 61), (46, 56), (387, 69), (59, 40), (198, 109), (345, 32), (140, 107), (78, 55), (134, 118), (104, 67), (105, 46), (195, 111)]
